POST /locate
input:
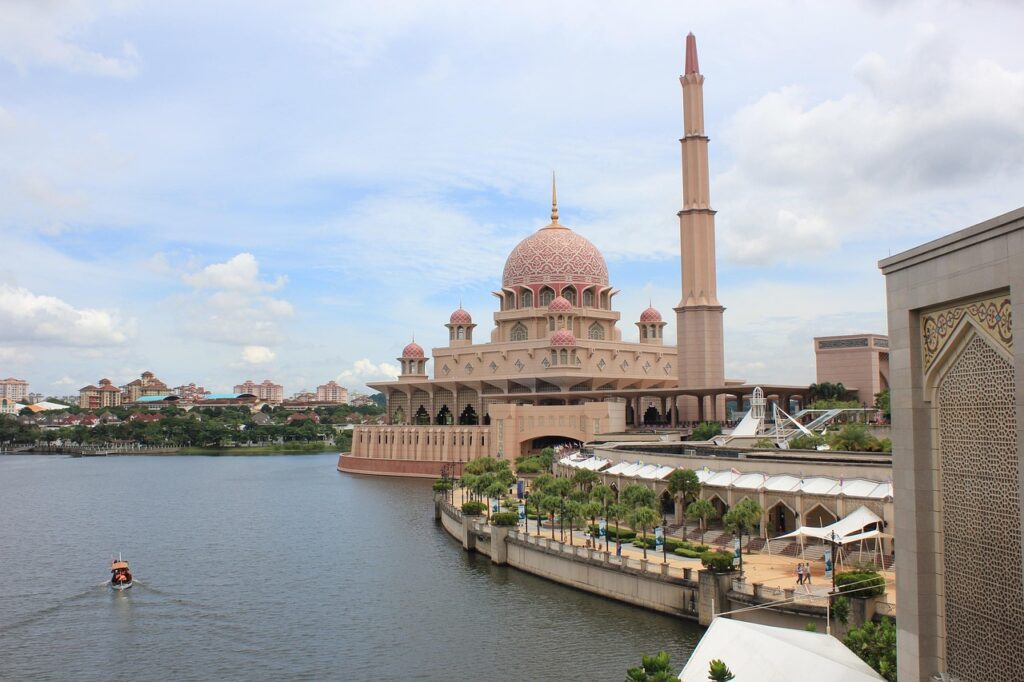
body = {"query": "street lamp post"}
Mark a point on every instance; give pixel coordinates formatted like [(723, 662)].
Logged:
[(664, 538)]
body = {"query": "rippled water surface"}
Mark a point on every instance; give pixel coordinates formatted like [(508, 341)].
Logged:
[(253, 568)]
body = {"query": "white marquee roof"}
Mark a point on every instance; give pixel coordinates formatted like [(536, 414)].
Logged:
[(850, 528), (773, 654)]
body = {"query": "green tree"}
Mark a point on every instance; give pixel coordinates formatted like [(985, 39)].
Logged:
[(561, 488), (741, 519), (494, 492), (719, 672), (603, 495), (585, 479), (592, 510), (551, 504), (875, 644), (883, 405), (644, 518), (617, 512), (706, 431), (702, 511), (572, 513), (634, 495), (854, 438), (806, 442), (684, 486), (656, 668)]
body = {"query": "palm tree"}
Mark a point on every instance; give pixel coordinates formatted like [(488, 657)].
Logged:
[(702, 510), (742, 518), (468, 482), (603, 495), (561, 487), (591, 510), (550, 504), (645, 518), (638, 496), (616, 512), (493, 491), (572, 513), (684, 486), (585, 479)]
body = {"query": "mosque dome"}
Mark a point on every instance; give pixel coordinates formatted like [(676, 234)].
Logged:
[(460, 316), (413, 350), (563, 337), (555, 254), (650, 315), (560, 304)]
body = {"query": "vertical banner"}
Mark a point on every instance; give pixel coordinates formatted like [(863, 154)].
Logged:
[(495, 504), (602, 528), (735, 551), (522, 512), (520, 488), (828, 563), (659, 537)]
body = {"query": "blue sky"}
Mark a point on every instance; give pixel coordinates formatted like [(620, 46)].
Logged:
[(221, 191)]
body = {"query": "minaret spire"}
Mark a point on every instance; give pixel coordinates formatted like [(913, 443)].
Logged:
[(691, 54), (554, 201)]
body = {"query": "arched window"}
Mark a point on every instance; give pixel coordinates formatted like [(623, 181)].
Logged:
[(569, 294), (547, 294), (451, 334), (588, 298), (462, 333), (643, 332), (551, 324), (596, 331), (519, 332), (563, 356), (604, 300), (561, 322), (527, 299)]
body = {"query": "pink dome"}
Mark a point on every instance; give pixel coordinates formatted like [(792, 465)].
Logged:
[(460, 316), (560, 305), (563, 337), (650, 315), (555, 254), (413, 350)]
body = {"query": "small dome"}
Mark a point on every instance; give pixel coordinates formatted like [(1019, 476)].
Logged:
[(460, 316), (413, 350), (560, 305), (650, 315), (563, 337)]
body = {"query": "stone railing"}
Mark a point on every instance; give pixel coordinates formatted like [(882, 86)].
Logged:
[(884, 608)]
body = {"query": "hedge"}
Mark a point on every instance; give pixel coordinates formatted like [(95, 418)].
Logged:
[(473, 508), (673, 544), (505, 519), (719, 562), (625, 535), (688, 553), (868, 583)]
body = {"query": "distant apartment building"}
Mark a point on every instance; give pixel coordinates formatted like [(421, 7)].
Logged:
[(14, 389), (331, 392), (268, 391), (97, 397), (190, 393), (302, 396), (860, 362), (9, 406), (146, 385)]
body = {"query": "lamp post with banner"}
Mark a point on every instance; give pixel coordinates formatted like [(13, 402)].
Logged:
[(830, 555), (664, 543)]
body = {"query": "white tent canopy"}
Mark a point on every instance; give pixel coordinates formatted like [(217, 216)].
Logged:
[(770, 654), (844, 530)]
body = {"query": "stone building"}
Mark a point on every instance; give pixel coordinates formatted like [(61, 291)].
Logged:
[(96, 397), (858, 361), (331, 392), (14, 389), (145, 385), (958, 452), (267, 391)]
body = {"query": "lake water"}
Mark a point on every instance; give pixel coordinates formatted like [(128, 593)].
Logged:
[(278, 567)]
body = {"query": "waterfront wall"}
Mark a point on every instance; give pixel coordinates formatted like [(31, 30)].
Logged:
[(352, 464)]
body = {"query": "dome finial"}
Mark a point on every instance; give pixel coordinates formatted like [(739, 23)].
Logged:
[(554, 201)]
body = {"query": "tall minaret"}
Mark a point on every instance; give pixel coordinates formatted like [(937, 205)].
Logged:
[(699, 343)]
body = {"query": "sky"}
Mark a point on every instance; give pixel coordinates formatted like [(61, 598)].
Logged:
[(219, 191)]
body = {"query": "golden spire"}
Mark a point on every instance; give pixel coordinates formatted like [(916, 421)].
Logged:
[(554, 201)]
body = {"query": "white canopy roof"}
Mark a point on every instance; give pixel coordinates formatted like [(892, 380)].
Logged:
[(770, 654), (850, 525)]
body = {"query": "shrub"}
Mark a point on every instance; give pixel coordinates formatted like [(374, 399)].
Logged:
[(719, 562), (860, 583), (706, 431), (505, 519), (625, 535), (473, 508), (688, 553)]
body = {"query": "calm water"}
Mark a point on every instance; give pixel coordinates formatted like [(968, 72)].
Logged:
[(252, 568)]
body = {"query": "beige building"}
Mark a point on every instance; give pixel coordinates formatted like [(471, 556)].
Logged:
[(14, 389), (860, 362), (331, 392), (146, 385), (958, 452), (97, 397), (555, 367), (267, 392)]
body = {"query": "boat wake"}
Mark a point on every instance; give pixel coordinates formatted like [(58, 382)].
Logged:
[(63, 603)]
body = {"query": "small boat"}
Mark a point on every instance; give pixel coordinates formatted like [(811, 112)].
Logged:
[(120, 576)]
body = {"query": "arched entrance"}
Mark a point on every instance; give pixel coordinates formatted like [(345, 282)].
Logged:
[(819, 517), (651, 416), (399, 416), (444, 416), (719, 504), (537, 444), (781, 519), (668, 503), (468, 417), (422, 417)]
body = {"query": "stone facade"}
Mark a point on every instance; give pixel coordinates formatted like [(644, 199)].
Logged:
[(958, 451), (858, 361)]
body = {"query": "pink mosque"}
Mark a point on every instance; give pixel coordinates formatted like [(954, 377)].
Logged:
[(555, 368)]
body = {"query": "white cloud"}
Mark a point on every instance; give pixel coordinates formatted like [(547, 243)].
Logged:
[(257, 355), (43, 33), (364, 370), (66, 381), (25, 316), (239, 273), (14, 355)]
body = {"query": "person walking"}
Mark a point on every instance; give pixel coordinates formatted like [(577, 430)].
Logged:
[(807, 573), (799, 574)]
